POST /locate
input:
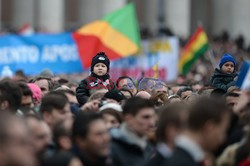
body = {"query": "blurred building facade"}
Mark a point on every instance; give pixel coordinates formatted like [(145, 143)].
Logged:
[(180, 16)]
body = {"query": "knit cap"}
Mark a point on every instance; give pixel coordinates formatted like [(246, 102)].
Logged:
[(227, 58), (100, 57)]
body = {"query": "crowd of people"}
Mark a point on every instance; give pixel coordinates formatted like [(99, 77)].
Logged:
[(50, 121)]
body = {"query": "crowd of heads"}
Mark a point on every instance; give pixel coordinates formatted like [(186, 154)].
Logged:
[(47, 120)]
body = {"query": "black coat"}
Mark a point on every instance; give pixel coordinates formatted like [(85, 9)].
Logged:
[(86, 161), (156, 160), (92, 82), (222, 80), (126, 153), (181, 157)]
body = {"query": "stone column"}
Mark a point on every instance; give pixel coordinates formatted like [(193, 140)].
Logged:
[(178, 16), (91, 10), (201, 14), (23, 12), (150, 15), (88, 10), (239, 19), (221, 10), (111, 5), (50, 15)]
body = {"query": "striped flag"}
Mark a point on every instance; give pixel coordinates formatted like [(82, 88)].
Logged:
[(196, 47), (117, 34)]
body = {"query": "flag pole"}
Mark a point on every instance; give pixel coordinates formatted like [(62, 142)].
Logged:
[(210, 51), (211, 57)]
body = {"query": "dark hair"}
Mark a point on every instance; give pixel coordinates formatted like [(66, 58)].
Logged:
[(63, 81), (50, 82), (135, 104), (20, 73), (10, 92), (66, 91), (82, 122), (206, 109), (71, 84), (205, 91), (25, 89), (53, 100), (115, 94), (124, 77), (126, 90), (218, 93), (184, 89), (59, 131), (232, 94), (170, 116)]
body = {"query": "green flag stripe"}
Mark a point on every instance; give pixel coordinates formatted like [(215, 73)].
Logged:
[(197, 54), (125, 21)]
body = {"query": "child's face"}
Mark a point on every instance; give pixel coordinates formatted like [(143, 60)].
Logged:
[(228, 67), (100, 69)]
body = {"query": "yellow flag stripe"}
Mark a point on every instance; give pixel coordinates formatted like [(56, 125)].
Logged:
[(110, 37)]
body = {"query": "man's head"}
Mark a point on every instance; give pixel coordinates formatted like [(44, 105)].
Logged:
[(149, 84), (127, 83), (40, 133), (111, 113), (100, 64), (175, 88), (62, 135), (45, 84), (171, 121), (115, 94), (232, 98), (10, 96), (55, 108), (27, 101), (143, 94), (139, 114), (209, 119), (161, 87), (70, 95), (15, 142), (184, 92), (91, 135)]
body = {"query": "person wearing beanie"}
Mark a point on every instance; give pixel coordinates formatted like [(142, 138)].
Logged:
[(98, 79), (116, 95), (225, 76)]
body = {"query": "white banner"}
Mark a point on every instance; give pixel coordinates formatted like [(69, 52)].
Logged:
[(158, 59)]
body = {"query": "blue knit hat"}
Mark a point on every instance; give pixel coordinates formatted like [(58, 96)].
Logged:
[(227, 58)]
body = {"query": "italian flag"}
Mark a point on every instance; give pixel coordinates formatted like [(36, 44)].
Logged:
[(117, 34), (196, 47)]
